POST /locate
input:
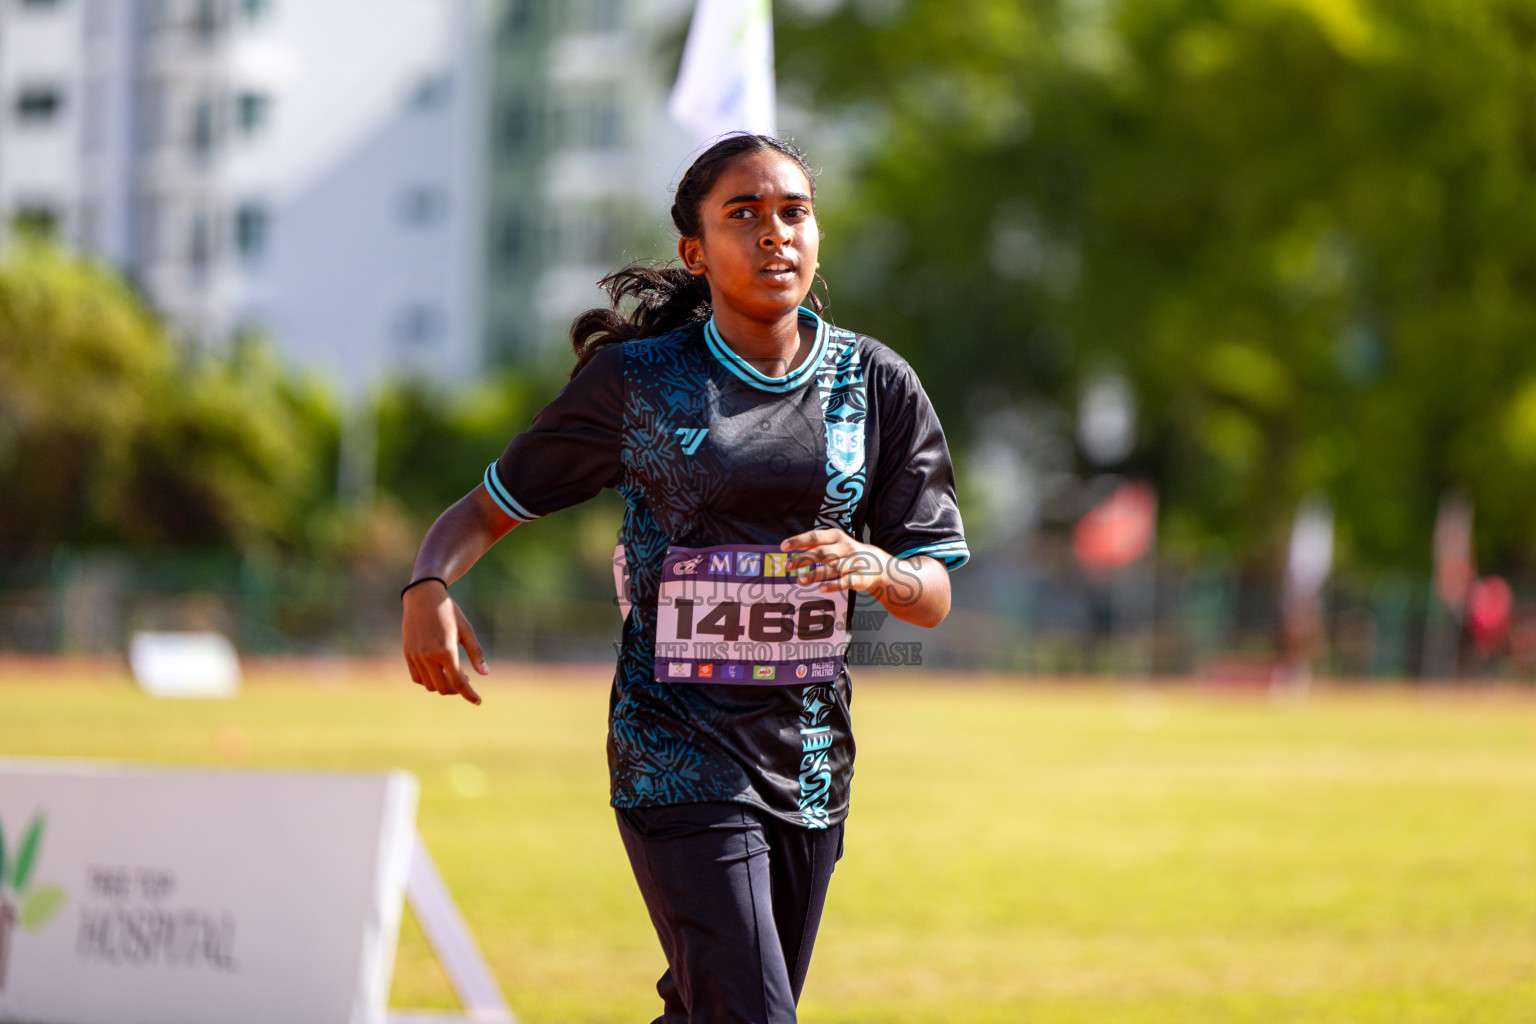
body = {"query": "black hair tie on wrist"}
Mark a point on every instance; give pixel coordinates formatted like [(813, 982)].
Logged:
[(424, 579)]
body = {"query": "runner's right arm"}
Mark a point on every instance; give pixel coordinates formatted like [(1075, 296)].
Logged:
[(568, 454), (432, 625)]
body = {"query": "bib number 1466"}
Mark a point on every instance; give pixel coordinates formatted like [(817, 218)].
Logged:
[(733, 614), (765, 622)]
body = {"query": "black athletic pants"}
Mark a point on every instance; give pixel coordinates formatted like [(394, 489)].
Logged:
[(736, 897)]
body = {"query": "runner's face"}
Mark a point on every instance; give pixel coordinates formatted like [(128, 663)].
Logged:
[(758, 238)]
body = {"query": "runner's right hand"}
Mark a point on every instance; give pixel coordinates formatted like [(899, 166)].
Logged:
[(432, 627)]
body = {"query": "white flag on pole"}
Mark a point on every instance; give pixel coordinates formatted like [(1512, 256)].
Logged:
[(725, 83)]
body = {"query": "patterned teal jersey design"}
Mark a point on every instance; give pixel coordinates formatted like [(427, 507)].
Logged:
[(707, 450)]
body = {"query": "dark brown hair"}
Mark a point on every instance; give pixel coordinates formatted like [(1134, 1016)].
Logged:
[(665, 295)]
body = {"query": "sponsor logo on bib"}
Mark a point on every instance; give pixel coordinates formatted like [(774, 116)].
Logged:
[(739, 606)]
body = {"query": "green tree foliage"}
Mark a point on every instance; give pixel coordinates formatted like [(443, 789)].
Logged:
[(1305, 228), (107, 436), (434, 447)]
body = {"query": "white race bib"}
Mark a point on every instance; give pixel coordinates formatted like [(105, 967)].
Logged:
[(732, 614)]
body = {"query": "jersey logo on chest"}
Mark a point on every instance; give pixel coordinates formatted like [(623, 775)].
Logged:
[(690, 438), (845, 446)]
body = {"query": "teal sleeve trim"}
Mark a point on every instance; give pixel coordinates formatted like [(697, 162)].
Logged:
[(503, 499), (953, 553)]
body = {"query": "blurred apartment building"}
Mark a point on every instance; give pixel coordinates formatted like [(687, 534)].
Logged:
[(582, 160), (387, 187)]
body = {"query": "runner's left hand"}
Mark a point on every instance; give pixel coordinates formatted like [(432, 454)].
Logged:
[(837, 561)]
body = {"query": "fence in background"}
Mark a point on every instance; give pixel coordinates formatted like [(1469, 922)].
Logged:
[(91, 602), (1014, 612)]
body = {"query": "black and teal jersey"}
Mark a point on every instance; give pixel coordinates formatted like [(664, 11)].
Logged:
[(706, 451)]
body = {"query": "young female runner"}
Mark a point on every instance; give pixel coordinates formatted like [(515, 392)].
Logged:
[(753, 444)]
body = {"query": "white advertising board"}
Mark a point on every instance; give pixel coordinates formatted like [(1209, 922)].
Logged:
[(184, 665), (134, 895)]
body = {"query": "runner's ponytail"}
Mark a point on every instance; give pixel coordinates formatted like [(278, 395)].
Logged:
[(665, 295)]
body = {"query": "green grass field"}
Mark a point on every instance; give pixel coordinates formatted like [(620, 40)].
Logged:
[(1018, 852)]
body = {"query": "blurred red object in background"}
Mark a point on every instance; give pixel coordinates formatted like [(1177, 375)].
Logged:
[(1118, 530), (1489, 603)]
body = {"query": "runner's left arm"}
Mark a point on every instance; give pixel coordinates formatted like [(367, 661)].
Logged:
[(915, 534), (914, 589)]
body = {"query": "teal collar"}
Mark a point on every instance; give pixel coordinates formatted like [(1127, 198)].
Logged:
[(751, 375)]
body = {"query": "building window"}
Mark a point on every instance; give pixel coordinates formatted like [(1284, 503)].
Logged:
[(567, 123), (207, 19), (251, 226), (516, 123), (606, 15), (608, 240), (593, 121), (509, 342), (594, 16), (422, 205), (602, 237), (517, 19), (586, 235), (419, 323), (200, 251), (204, 129), (38, 104), (253, 110), (431, 92), (607, 131), (512, 238)]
